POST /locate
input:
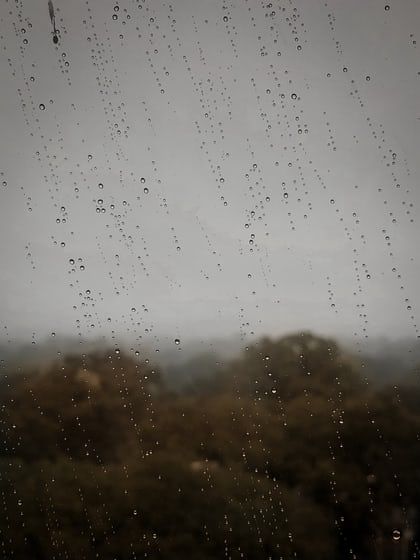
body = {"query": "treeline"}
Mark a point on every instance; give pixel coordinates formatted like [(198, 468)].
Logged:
[(285, 453)]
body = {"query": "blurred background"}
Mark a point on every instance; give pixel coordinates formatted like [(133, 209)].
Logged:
[(209, 279)]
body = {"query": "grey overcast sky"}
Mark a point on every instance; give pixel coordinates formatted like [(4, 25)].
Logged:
[(209, 167)]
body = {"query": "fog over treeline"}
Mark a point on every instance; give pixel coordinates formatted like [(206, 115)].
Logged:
[(385, 359)]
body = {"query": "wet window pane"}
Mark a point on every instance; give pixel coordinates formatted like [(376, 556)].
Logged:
[(209, 280)]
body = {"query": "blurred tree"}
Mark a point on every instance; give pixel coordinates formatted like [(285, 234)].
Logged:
[(291, 456), (287, 367), (89, 407)]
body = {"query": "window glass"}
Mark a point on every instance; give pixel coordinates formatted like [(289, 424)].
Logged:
[(209, 279)]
